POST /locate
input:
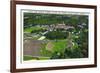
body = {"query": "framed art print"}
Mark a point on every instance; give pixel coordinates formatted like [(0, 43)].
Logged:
[(52, 36)]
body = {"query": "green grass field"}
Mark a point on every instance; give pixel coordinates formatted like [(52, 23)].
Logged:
[(34, 28), (27, 58), (56, 46), (59, 45)]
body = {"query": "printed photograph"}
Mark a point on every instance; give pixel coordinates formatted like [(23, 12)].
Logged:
[(48, 36)]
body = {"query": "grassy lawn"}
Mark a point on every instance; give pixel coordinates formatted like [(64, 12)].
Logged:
[(30, 29), (44, 58), (27, 58), (57, 46)]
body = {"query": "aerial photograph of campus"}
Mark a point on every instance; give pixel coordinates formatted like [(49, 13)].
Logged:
[(54, 36)]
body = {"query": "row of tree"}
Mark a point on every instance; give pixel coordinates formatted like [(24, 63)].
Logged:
[(32, 19)]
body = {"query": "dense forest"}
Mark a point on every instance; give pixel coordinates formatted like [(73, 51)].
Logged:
[(59, 36)]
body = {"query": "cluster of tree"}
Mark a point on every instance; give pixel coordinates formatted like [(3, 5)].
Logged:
[(68, 53), (53, 35), (32, 19)]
